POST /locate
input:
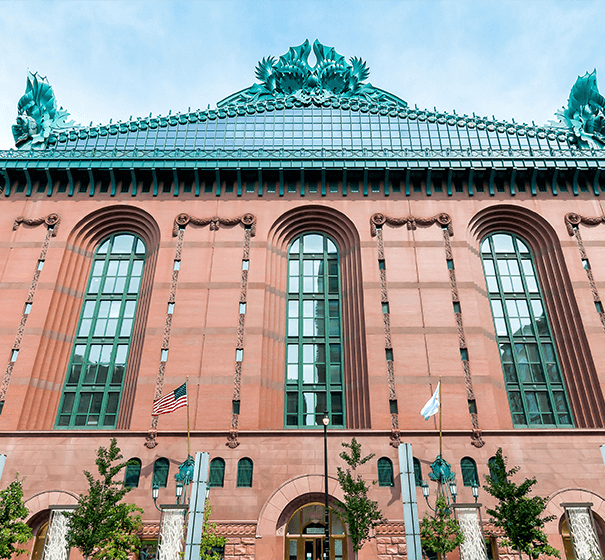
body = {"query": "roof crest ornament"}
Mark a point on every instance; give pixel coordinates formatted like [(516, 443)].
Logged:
[(293, 78), (585, 113), (38, 114)]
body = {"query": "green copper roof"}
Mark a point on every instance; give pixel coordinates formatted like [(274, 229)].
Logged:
[(327, 110)]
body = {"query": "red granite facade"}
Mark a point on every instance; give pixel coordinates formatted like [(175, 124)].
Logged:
[(423, 331)]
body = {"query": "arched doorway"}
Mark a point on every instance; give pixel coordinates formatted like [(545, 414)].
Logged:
[(39, 542), (305, 534)]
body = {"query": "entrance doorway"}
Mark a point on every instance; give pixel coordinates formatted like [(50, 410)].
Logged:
[(305, 534)]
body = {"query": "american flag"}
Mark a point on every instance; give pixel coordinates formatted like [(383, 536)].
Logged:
[(171, 401)]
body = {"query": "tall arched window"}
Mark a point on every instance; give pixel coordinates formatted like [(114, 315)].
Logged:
[(314, 377), (244, 473), (95, 375), (468, 467), (216, 478), (161, 468), (385, 472), (132, 473), (535, 388)]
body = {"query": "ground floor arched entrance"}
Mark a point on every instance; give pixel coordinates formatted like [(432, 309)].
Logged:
[(305, 534)]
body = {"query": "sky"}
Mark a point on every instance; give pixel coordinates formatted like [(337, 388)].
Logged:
[(116, 59)]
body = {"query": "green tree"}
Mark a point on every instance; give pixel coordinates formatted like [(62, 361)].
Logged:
[(210, 539), (102, 527), (440, 533), (516, 512), (12, 512), (361, 514)]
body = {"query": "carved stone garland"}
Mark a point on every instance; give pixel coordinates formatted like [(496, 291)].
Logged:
[(572, 222), (51, 222), (473, 546), (411, 222), (248, 222), (55, 545), (583, 535), (170, 545)]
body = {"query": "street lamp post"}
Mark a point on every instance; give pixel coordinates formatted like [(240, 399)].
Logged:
[(326, 554)]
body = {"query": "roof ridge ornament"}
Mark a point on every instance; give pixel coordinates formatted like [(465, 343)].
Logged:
[(585, 113), (291, 76), (38, 114)]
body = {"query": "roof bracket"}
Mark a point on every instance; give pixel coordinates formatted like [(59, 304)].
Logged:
[(28, 192), (428, 182), (595, 183), (155, 182), (239, 181), (323, 181), (91, 179), (281, 181), (7, 186), (113, 182), (175, 178), (532, 185), (407, 181), (513, 175), (490, 187), (471, 173), (219, 184), (260, 182), (554, 182), (344, 181), (49, 181), (450, 175), (133, 179), (302, 182), (574, 185), (386, 182), (365, 181)]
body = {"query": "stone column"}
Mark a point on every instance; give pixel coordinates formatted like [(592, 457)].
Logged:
[(473, 547), (172, 531), (582, 530), (55, 545)]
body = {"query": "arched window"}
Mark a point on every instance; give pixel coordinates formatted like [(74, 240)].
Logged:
[(385, 472), (417, 472), (314, 376), (468, 467), (132, 473), (536, 393), (95, 375), (491, 465), (216, 477), (160, 472), (244, 473)]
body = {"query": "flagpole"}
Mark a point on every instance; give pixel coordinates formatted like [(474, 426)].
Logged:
[(440, 432), (188, 435)]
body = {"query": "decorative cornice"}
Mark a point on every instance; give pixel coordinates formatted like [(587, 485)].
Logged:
[(378, 220), (246, 221)]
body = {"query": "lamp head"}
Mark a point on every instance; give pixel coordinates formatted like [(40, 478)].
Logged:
[(179, 489), (475, 490), (425, 489), (155, 491), (326, 418), (453, 488)]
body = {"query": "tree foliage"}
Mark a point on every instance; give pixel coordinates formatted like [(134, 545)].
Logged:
[(210, 539), (360, 512), (440, 533), (102, 527), (13, 530), (516, 512)]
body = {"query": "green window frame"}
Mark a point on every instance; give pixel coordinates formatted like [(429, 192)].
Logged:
[(95, 375), (385, 472), (161, 468), (132, 473), (244, 473), (216, 476), (532, 375), (314, 356), (417, 472), (468, 468)]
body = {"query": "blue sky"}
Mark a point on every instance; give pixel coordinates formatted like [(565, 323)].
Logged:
[(115, 59)]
